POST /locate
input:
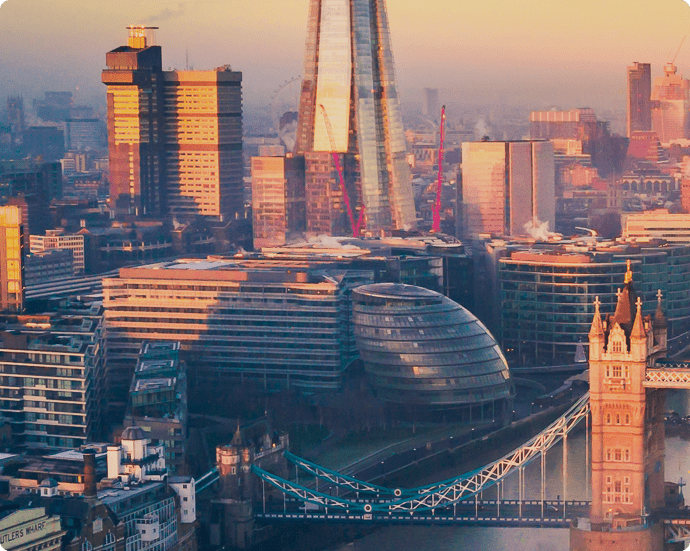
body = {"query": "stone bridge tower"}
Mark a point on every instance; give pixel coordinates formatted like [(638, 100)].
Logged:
[(627, 428)]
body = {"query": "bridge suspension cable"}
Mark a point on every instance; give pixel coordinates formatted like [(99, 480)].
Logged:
[(444, 493)]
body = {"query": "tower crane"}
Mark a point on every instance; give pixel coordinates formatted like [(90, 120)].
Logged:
[(436, 227), (356, 226)]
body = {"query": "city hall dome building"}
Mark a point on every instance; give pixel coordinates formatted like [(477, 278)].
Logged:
[(422, 349)]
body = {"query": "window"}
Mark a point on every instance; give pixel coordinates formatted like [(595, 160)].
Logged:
[(617, 346), (617, 371)]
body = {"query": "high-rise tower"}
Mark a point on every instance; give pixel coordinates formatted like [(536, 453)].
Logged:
[(174, 137), (639, 98), (349, 105), (670, 102)]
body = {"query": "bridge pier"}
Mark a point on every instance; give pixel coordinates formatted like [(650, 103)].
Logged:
[(645, 539)]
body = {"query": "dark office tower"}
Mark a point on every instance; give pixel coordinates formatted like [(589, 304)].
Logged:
[(639, 98), (349, 105), (431, 107), (134, 77), (15, 115)]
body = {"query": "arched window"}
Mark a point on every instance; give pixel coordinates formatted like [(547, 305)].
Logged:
[(86, 546)]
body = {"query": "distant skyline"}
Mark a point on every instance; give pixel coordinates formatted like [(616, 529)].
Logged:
[(539, 54)]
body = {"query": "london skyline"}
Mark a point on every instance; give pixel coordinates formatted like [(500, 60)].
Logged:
[(547, 53)]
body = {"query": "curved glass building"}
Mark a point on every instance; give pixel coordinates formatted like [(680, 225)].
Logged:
[(421, 348)]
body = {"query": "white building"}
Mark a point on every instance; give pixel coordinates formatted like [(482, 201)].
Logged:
[(56, 239), (135, 460), (185, 487), (657, 224)]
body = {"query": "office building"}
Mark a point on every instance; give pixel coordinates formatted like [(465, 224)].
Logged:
[(31, 177), (507, 187), (422, 349), (56, 239), (431, 108), (349, 105), (85, 135), (134, 76), (15, 116), (657, 224), (670, 102), (11, 259), (52, 379), (280, 324), (203, 143), (47, 266), (174, 137), (639, 98), (546, 294), (278, 202)]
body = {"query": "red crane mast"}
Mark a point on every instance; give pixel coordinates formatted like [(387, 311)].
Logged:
[(356, 226), (436, 227)]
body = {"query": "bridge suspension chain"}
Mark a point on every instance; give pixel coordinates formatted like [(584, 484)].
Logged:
[(447, 492)]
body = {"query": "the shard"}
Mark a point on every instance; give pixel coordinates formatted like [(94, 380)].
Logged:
[(349, 105)]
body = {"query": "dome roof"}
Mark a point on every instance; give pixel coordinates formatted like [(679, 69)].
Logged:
[(49, 483), (420, 347), (133, 433)]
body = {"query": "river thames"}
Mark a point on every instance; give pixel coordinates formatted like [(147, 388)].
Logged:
[(433, 538)]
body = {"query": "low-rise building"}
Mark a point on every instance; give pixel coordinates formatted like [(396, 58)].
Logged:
[(46, 266), (56, 239), (31, 529)]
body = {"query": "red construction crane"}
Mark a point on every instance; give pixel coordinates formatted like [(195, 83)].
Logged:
[(436, 227), (356, 226)]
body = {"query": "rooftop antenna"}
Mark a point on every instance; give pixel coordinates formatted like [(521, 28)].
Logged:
[(186, 55)]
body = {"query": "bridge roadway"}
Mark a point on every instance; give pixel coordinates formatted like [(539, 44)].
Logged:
[(508, 512)]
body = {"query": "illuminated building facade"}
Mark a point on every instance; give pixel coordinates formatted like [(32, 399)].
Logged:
[(11, 259), (639, 98), (349, 105), (670, 102), (203, 143), (278, 204), (174, 137), (282, 324), (507, 186)]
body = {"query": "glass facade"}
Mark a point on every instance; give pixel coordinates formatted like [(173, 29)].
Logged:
[(506, 186), (547, 300), (349, 81), (421, 348)]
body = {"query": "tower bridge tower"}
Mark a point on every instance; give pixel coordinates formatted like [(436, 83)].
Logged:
[(627, 428)]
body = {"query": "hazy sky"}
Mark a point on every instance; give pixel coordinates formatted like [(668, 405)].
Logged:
[(531, 52)]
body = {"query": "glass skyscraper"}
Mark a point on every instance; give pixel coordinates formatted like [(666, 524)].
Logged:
[(349, 105)]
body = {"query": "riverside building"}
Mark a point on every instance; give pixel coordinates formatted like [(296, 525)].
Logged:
[(280, 323), (547, 293)]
